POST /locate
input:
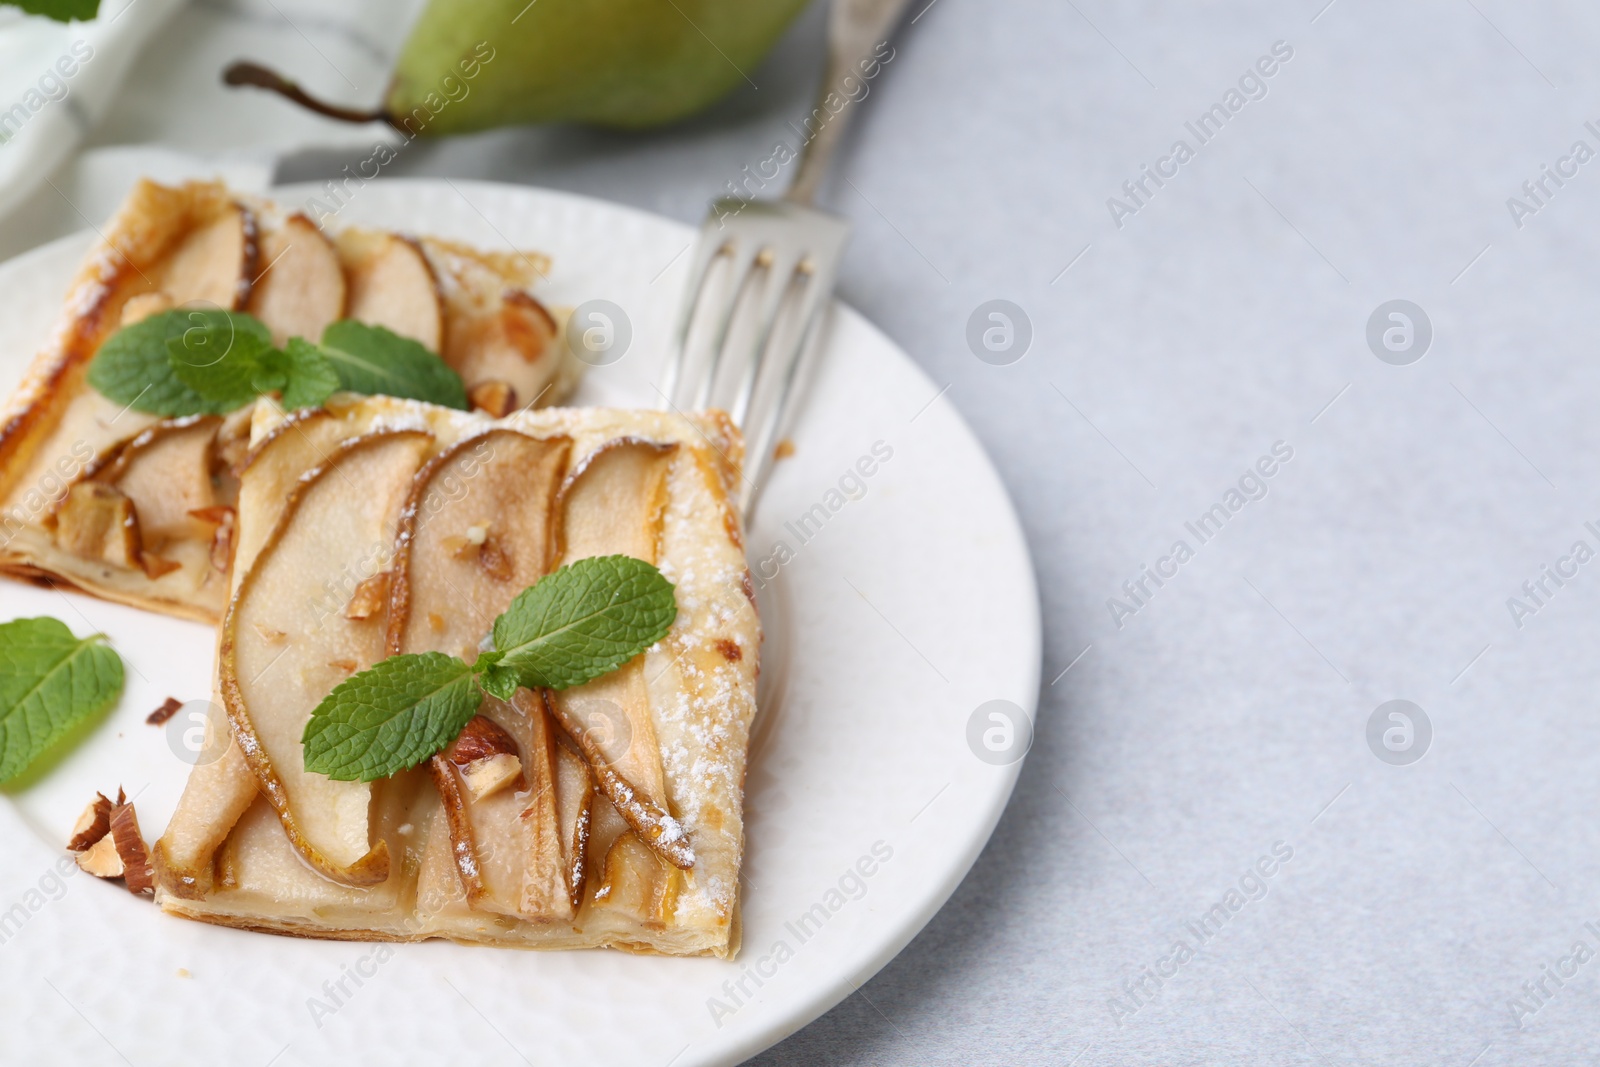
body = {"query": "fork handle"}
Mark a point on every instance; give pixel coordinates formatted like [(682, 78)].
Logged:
[(856, 28)]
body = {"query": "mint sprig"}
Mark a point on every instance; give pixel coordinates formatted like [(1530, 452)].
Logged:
[(209, 362), (218, 354), (133, 368), (556, 635), (51, 683), (576, 624), (373, 360), (394, 715)]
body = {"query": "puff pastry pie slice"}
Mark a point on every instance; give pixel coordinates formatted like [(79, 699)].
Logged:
[(142, 510), (607, 815)]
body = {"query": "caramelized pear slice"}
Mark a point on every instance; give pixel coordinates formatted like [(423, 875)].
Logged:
[(216, 795), (303, 441), (215, 263), (546, 874), (506, 846), (302, 288), (612, 504), (649, 818), (574, 812), (475, 531), (392, 285), (510, 343), (637, 883), (270, 689), (166, 472)]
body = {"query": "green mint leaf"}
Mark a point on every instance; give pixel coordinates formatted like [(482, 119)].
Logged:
[(499, 681), (389, 717), (308, 377), (51, 683), (60, 10), (374, 361), (134, 368), (584, 620), (219, 355)]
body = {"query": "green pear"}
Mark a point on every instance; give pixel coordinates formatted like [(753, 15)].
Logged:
[(473, 64)]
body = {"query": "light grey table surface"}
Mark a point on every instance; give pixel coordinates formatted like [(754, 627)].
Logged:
[(1225, 714)]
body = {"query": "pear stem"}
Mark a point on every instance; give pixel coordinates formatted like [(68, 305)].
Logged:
[(244, 72)]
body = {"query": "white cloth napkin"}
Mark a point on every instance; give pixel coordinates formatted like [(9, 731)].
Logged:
[(57, 81), (150, 101)]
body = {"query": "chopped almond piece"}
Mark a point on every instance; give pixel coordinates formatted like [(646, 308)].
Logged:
[(222, 544), (102, 859), (131, 849), (485, 777), (154, 566), (370, 597), (494, 397), (169, 707), (435, 620), (233, 439), (346, 665), (481, 738), (92, 825), (270, 636), (487, 759), (494, 560), (97, 522), (784, 449)]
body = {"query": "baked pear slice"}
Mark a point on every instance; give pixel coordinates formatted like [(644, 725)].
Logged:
[(612, 505), (302, 286), (477, 530), (393, 285), (214, 264), (282, 649)]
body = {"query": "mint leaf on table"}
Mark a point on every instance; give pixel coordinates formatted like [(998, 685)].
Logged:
[(585, 620), (60, 10), (373, 360), (389, 717), (50, 683), (581, 622)]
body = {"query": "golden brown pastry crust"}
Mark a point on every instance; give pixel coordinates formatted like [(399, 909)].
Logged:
[(54, 427), (700, 698)]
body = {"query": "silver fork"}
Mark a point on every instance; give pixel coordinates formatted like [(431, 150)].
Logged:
[(763, 271)]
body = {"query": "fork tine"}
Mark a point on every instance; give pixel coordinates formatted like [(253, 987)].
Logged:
[(775, 403), (744, 270), (706, 254), (744, 335), (782, 274)]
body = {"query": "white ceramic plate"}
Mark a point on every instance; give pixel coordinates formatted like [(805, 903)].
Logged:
[(891, 617)]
